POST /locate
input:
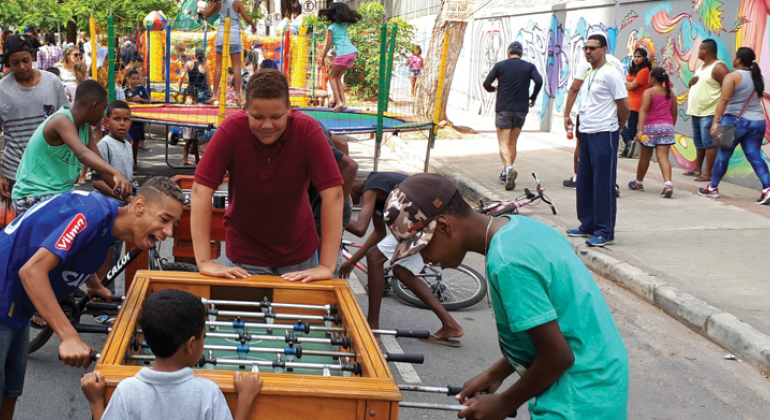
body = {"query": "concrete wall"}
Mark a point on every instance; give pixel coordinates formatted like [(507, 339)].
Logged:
[(554, 35)]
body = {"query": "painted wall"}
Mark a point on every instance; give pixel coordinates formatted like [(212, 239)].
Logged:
[(672, 31)]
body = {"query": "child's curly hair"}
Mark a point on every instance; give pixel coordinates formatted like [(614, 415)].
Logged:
[(268, 84), (340, 13)]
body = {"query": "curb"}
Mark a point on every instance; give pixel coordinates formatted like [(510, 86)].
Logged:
[(723, 328)]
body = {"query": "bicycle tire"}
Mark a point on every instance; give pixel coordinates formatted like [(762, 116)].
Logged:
[(179, 266), (476, 296), (38, 341), (173, 138)]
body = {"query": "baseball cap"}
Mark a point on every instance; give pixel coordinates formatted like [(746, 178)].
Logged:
[(412, 208), (18, 43)]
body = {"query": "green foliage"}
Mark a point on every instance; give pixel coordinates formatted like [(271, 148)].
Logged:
[(364, 77)]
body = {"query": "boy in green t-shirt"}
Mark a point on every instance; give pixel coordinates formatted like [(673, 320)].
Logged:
[(554, 327), (59, 148)]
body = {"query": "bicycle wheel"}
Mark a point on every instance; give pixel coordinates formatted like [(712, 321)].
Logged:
[(179, 266), (38, 336), (454, 288)]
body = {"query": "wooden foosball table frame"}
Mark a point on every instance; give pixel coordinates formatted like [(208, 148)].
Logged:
[(373, 395)]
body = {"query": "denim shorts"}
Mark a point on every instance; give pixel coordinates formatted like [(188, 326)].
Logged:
[(701, 131), (234, 48), (14, 347)]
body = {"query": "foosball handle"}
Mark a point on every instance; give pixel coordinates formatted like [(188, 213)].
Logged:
[(454, 390), (405, 358), (90, 328), (94, 355), (405, 333), (103, 306)]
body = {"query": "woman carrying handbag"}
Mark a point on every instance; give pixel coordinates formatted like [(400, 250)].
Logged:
[(740, 120)]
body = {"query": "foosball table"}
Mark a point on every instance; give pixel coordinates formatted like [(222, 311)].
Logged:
[(309, 342)]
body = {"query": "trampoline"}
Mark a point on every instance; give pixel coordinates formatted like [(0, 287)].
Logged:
[(206, 116)]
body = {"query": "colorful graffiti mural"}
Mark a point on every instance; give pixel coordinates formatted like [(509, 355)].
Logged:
[(671, 31)]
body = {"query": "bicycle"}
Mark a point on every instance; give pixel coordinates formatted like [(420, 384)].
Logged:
[(455, 289), (75, 306), (501, 208)]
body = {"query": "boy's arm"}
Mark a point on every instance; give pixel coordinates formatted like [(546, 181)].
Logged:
[(359, 226), (554, 357), (571, 97), (348, 170), (34, 275), (490, 78), (247, 388), (94, 387), (331, 236), (379, 233)]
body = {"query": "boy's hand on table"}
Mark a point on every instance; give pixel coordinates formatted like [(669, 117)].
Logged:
[(346, 268), (94, 387), (485, 407), (213, 269), (316, 273), (248, 385)]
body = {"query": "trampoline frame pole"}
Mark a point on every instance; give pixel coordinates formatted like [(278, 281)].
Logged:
[(92, 26), (168, 63), (111, 56), (147, 55), (439, 96), (223, 78), (381, 95), (389, 74)]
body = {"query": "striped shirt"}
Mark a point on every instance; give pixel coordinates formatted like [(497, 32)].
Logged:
[(22, 109)]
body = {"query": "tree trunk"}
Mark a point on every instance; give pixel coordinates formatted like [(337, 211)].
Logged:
[(72, 31), (425, 104)]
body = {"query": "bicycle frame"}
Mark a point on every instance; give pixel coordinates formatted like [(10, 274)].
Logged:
[(127, 259), (499, 208)]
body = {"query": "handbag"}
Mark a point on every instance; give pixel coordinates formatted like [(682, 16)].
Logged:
[(726, 132)]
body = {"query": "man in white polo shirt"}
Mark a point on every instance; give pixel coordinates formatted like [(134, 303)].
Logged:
[(603, 110)]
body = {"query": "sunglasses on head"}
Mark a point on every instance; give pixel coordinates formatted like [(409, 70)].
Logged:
[(589, 48)]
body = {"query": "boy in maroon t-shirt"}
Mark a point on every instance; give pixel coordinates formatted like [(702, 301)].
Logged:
[(272, 153)]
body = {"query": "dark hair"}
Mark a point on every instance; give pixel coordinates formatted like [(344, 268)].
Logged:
[(119, 66), (90, 91), (340, 13), (515, 49), (710, 45), (132, 73), (268, 84), (267, 64), (191, 91), (748, 58), (229, 70), (633, 69), (418, 48), (159, 186), (117, 104), (54, 70), (457, 206), (169, 318), (49, 38), (597, 37), (660, 74)]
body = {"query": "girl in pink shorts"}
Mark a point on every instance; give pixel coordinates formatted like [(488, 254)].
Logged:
[(655, 130), (340, 16)]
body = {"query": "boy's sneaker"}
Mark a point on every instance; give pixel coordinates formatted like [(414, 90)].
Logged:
[(709, 192), (633, 185), (599, 241), (569, 184), (668, 191), (765, 197), (577, 233), (510, 180), (502, 177)]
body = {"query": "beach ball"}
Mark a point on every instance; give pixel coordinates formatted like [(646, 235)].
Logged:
[(156, 20)]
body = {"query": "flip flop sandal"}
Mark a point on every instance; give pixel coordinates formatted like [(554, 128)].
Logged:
[(690, 173), (441, 341), (702, 179)]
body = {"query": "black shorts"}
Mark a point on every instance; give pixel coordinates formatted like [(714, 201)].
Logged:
[(508, 119), (136, 131)]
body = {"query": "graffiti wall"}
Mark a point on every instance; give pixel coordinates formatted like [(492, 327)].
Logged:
[(671, 31)]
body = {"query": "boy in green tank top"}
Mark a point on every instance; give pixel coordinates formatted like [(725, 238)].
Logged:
[(554, 327), (59, 148)]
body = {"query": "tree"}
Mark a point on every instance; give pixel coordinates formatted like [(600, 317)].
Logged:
[(426, 92), (290, 7)]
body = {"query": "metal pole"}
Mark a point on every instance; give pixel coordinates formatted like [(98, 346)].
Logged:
[(389, 75), (111, 55), (168, 63), (147, 55), (223, 79), (381, 95), (92, 25)]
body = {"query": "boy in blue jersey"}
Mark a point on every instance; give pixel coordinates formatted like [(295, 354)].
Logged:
[(54, 248), (554, 327)]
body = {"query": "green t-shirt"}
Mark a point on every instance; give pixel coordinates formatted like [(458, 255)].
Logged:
[(46, 169), (535, 277)]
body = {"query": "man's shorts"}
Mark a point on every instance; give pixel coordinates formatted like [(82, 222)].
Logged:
[(701, 131), (23, 204), (413, 263), (14, 347), (234, 48), (508, 119), (136, 131)]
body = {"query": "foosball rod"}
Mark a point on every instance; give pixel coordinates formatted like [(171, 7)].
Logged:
[(432, 406), (330, 309), (447, 390), (349, 367), (291, 351), (336, 319), (343, 342), (299, 327)]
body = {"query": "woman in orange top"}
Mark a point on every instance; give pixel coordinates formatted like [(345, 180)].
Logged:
[(637, 81)]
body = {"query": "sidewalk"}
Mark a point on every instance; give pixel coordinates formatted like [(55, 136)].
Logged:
[(700, 260)]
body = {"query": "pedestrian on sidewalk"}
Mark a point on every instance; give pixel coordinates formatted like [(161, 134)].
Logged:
[(603, 111), (739, 107), (580, 74), (637, 82), (705, 90), (513, 102), (655, 130)]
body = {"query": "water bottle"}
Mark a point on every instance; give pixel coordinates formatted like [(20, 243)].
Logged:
[(570, 129)]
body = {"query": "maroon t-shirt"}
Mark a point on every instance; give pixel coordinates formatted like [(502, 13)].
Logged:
[(269, 221)]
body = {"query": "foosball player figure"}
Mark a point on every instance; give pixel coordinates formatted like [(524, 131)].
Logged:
[(553, 324), (53, 249), (174, 325), (371, 193), (272, 153)]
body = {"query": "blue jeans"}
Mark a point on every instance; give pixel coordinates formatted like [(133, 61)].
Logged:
[(629, 131), (597, 175), (14, 347), (701, 131), (749, 135)]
